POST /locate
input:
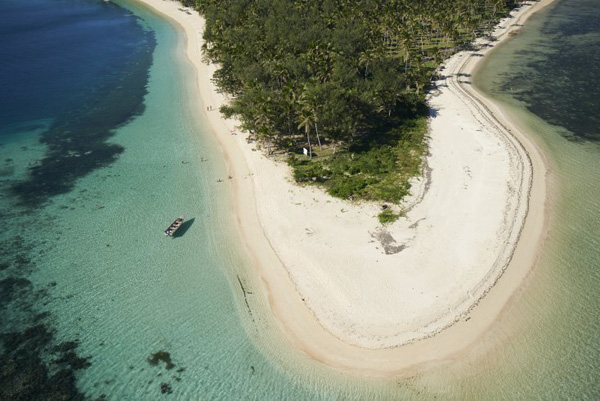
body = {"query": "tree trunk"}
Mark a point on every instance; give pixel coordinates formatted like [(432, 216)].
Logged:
[(318, 139), (309, 147)]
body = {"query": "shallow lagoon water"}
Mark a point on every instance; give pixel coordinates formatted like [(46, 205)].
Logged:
[(546, 77), (107, 277), (94, 256)]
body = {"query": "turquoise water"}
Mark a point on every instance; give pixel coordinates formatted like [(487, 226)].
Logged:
[(153, 317), (130, 292), (101, 271)]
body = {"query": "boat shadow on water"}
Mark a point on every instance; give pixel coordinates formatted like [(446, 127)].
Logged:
[(183, 228)]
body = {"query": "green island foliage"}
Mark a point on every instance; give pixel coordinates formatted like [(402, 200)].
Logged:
[(370, 171), (344, 79)]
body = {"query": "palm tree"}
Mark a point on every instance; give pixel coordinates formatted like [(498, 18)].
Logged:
[(305, 122), (309, 103)]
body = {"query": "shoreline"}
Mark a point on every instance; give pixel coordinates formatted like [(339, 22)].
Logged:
[(297, 314)]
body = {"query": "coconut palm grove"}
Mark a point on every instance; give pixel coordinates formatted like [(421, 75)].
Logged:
[(338, 87)]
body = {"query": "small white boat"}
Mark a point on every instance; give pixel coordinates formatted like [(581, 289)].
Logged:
[(174, 226)]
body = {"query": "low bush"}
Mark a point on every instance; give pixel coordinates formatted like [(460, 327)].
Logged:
[(388, 216)]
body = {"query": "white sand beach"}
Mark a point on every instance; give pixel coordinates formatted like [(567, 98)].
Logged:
[(356, 295)]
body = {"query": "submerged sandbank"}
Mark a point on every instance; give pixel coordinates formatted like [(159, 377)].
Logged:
[(352, 294)]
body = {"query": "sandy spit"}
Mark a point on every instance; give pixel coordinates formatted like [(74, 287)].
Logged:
[(378, 300)]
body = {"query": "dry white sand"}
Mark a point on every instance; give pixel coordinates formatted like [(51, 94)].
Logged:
[(352, 293)]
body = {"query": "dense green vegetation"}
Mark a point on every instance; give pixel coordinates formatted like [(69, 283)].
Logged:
[(379, 171), (344, 79)]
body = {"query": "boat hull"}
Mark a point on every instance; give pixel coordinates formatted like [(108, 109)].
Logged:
[(174, 226)]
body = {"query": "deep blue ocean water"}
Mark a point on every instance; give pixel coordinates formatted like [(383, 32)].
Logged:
[(55, 54), (77, 70)]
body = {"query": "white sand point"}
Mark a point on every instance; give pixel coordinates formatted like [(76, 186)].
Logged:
[(479, 213)]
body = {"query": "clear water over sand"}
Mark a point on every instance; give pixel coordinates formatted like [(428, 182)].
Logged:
[(551, 68)]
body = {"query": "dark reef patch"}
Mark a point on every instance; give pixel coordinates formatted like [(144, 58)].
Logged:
[(165, 357), (165, 388), (10, 288), (75, 362), (557, 76), (161, 356), (25, 375), (33, 364)]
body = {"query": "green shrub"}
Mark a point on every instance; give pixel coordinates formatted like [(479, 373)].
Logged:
[(376, 172), (389, 189), (346, 187), (388, 216), (311, 172)]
